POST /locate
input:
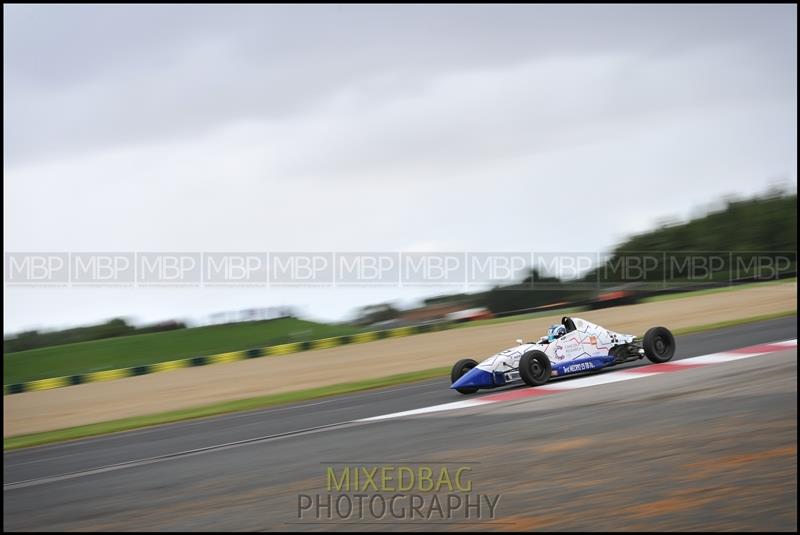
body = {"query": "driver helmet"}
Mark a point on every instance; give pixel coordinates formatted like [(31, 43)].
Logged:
[(556, 331)]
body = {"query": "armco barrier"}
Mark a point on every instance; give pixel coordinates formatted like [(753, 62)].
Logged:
[(283, 349)]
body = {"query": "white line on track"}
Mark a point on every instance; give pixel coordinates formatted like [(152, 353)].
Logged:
[(593, 380), (716, 358), (607, 378), (201, 421), (555, 387), (171, 456), (424, 410)]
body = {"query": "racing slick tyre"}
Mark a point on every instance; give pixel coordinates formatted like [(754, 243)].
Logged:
[(535, 368), (658, 344), (460, 368)]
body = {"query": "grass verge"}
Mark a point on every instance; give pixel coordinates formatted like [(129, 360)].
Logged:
[(141, 349), (127, 424), (260, 402)]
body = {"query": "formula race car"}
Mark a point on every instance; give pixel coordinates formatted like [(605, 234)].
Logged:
[(573, 346)]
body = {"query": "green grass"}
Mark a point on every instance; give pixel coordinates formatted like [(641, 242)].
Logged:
[(141, 349), (137, 350), (126, 424)]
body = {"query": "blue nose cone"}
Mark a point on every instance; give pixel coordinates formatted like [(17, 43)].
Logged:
[(474, 378)]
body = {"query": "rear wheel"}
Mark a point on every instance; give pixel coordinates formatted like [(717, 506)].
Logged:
[(460, 368), (535, 368), (658, 344)]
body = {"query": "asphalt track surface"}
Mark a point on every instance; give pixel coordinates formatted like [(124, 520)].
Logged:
[(713, 448)]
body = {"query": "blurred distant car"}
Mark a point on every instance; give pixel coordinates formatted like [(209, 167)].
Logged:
[(613, 297), (470, 314), (574, 346), (388, 324)]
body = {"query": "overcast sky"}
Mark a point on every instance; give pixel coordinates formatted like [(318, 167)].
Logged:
[(374, 128)]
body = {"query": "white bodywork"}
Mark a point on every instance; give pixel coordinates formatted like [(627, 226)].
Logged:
[(576, 347)]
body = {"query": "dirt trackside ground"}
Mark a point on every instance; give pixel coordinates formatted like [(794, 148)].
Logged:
[(84, 404)]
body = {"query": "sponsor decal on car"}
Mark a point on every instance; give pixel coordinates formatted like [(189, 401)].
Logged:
[(573, 348), (581, 366)]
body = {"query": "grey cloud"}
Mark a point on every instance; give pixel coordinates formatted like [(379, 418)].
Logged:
[(97, 76), (360, 128)]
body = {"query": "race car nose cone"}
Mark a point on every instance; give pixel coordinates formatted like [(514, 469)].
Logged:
[(474, 378)]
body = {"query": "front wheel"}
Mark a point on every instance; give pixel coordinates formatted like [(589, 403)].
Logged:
[(658, 344), (535, 368), (460, 368)]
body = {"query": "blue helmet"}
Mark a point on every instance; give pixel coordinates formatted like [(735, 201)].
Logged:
[(556, 331)]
